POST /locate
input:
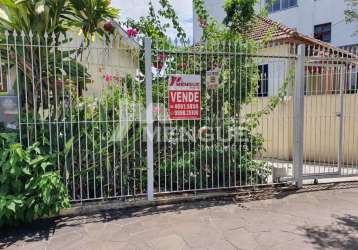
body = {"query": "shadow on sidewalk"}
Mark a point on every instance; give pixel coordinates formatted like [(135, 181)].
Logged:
[(45, 228), (342, 234), (37, 231)]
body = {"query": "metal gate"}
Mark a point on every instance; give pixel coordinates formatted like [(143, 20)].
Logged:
[(330, 146)]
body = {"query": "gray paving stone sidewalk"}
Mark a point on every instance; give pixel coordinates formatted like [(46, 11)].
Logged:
[(324, 217)]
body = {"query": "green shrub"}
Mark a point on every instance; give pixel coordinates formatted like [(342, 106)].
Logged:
[(29, 185)]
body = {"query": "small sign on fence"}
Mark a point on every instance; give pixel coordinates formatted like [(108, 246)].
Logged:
[(212, 79), (8, 112), (184, 97)]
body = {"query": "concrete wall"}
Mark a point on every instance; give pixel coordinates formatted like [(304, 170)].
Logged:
[(276, 128), (117, 62), (321, 128), (215, 9), (304, 17), (118, 59)]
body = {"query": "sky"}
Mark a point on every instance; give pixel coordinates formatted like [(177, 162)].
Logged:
[(137, 8)]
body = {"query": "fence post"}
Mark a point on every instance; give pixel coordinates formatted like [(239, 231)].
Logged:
[(298, 117), (149, 116), (341, 74)]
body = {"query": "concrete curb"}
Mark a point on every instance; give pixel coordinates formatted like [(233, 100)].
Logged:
[(238, 195)]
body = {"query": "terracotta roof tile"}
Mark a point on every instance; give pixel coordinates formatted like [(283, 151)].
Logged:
[(264, 27)]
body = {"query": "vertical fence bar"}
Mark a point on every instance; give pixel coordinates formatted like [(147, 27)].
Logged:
[(298, 123), (341, 77), (149, 116)]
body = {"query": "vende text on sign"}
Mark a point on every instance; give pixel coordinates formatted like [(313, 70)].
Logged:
[(184, 97)]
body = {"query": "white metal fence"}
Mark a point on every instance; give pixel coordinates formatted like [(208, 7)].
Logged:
[(102, 110), (80, 104), (330, 113), (224, 148)]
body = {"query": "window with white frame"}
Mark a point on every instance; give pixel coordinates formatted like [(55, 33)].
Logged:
[(278, 5), (262, 88), (352, 76)]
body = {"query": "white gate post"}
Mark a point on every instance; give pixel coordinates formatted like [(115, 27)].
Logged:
[(298, 117), (342, 71), (149, 117)]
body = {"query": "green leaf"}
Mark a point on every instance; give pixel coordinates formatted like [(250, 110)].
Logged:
[(26, 171), (69, 145), (12, 206), (8, 3), (36, 161), (3, 15), (35, 148), (44, 165), (19, 202)]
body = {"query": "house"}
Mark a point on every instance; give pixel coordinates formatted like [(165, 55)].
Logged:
[(110, 58), (284, 39), (321, 19), (330, 88), (117, 56), (105, 59), (330, 96), (330, 99), (321, 78)]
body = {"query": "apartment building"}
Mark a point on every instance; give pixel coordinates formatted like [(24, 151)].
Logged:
[(321, 19)]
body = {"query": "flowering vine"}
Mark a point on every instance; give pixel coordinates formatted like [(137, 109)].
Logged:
[(132, 32)]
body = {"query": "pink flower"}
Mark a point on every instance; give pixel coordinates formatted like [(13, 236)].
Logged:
[(158, 65), (132, 32), (156, 109), (162, 56), (107, 77)]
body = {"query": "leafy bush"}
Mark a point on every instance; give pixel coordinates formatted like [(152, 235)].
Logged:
[(29, 186), (98, 143), (89, 154)]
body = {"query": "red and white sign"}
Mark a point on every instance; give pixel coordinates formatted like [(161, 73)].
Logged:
[(184, 97)]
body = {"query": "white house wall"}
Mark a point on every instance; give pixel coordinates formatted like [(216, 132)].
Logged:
[(314, 12), (117, 60), (215, 9), (304, 17), (276, 76), (278, 68)]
